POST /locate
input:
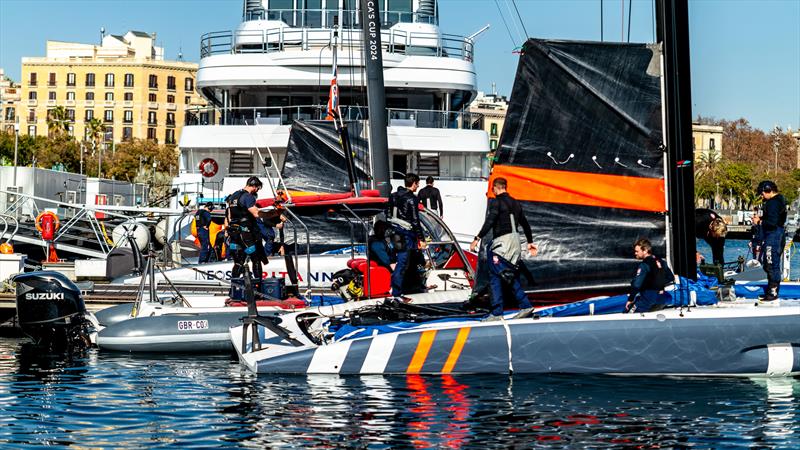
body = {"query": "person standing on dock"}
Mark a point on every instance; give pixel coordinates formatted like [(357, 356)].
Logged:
[(403, 213), (652, 276), (243, 231), (772, 226), (503, 215), (431, 198), (203, 218)]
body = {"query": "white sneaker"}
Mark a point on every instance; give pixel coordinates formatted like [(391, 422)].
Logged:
[(523, 313), (492, 318)]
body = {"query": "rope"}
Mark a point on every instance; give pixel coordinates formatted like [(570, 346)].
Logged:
[(505, 23), (521, 22)]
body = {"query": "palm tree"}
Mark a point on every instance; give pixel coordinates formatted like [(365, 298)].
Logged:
[(57, 121), (94, 131)]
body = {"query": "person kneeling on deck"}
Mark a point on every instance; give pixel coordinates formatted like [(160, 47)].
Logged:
[(403, 214), (242, 215), (652, 276), (203, 217), (503, 215)]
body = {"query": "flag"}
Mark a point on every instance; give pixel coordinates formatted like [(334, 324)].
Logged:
[(333, 98)]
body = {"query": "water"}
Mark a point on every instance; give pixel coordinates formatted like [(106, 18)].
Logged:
[(736, 248), (99, 399), (109, 400)]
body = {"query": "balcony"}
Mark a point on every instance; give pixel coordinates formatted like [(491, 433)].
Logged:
[(108, 103), (170, 123), (32, 102), (88, 103), (152, 105), (417, 118), (32, 83), (127, 104), (172, 106), (153, 86), (51, 103), (69, 103)]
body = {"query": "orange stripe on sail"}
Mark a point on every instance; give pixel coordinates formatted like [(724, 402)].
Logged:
[(421, 354), (455, 352), (582, 188)]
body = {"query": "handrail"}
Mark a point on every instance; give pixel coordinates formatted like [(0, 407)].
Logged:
[(308, 246)]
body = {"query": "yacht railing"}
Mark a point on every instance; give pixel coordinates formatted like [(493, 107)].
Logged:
[(285, 115), (316, 18), (281, 39)]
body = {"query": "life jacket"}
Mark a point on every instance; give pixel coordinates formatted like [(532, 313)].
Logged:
[(658, 276), (238, 214)]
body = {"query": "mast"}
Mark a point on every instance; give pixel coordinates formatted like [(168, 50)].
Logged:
[(376, 95), (672, 29)]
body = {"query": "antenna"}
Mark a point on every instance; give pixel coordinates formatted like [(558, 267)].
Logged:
[(102, 34)]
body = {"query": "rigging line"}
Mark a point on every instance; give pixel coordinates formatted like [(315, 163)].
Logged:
[(653, 19), (513, 43), (622, 21), (514, 22), (630, 12), (514, 2), (601, 20)]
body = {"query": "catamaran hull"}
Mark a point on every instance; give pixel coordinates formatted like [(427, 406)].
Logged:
[(705, 341)]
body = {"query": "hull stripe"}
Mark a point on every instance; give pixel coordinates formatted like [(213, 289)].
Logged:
[(421, 354), (455, 352), (781, 359), (380, 350), (329, 358)]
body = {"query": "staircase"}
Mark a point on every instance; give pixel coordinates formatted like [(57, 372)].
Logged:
[(241, 162)]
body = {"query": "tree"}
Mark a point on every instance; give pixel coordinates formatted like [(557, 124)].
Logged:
[(57, 121)]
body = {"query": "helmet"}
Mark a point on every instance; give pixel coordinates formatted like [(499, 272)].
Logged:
[(767, 186), (255, 182)]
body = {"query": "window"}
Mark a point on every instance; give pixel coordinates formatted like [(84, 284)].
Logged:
[(711, 144), (312, 16), (128, 80), (89, 115), (128, 118), (151, 118), (151, 134), (170, 119), (188, 84), (109, 96), (398, 11), (171, 83), (70, 79), (31, 115), (169, 137), (32, 95), (493, 144), (281, 10), (108, 115), (187, 100), (52, 81), (51, 95), (32, 80), (151, 97), (127, 133), (108, 134), (109, 80), (71, 95), (10, 114), (170, 99), (90, 96), (493, 129), (153, 82), (31, 130), (129, 96), (71, 115), (89, 80)]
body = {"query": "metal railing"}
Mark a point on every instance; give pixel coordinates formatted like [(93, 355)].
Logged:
[(316, 18), (285, 115), (280, 39)]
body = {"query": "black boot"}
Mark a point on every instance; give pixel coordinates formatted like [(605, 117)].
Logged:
[(771, 292)]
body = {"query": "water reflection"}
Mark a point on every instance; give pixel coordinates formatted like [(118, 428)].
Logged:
[(107, 400)]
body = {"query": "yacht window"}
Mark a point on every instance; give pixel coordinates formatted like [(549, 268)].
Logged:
[(312, 14), (350, 16), (473, 165), (332, 9), (281, 10), (428, 164), (398, 11)]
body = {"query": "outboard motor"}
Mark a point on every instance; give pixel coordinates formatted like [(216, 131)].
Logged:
[(51, 311)]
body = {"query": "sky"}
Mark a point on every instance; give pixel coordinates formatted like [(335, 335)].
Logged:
[(745, 54)]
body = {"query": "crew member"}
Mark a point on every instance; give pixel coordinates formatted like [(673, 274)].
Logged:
[(403, 214), (504, 213), (380, 250), (652, 276), (710, 227), (772, 225), (242, 215), (756, 243), (430, 197), (203, 222)]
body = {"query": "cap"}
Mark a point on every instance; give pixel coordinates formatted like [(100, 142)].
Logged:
[(767, 186)]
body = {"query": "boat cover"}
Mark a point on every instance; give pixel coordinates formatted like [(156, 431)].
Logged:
[(754, 290), (581, 149)]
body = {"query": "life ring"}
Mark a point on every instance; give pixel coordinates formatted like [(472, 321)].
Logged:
[(45, 213), (209, 167)]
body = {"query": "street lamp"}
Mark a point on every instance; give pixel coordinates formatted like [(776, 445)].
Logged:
[(16, 145)]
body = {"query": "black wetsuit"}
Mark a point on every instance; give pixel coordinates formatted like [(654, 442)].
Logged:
[(431, 198), (772, 224), (243, 233)]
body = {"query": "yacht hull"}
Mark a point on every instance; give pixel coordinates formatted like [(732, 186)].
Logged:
[(738, 340)]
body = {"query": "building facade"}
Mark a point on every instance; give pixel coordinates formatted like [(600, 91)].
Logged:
[(124, 82), (494, 108), (9, 99), (706, 141)]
